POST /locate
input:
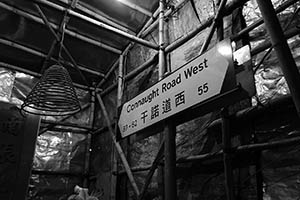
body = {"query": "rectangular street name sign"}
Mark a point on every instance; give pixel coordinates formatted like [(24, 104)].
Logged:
[(198, 80)]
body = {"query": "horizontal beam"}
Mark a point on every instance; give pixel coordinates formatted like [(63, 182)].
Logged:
[(67, 124), (101, 24), (68, 32), (56, 173), (259, 22), (129, 46), (100, 16), (260, 48), (72, 130), (167, 13), (136, 7), (37, 75), (40, 54), (240, 149), (132, 74)]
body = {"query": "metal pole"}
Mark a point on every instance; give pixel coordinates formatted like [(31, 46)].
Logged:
[(285, 57), (169, 129), (170, 161), (259, 177), (226, 156)]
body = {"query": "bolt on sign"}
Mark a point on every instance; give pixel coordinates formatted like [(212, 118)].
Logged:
[(200, 79)]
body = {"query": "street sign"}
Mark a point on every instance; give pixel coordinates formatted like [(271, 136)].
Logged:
[(197, 81)]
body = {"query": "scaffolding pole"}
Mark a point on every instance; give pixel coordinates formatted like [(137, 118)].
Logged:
[(118, 146), (283, 52)]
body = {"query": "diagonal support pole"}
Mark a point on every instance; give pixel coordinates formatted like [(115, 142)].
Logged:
[(45, 20), (282, 50), (49, 127), (63, 23), (118, 146), (213, 26), (159, 156)]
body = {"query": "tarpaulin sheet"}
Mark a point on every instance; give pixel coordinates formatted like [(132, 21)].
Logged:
[(6, 84), (60, 151), (44, 187)]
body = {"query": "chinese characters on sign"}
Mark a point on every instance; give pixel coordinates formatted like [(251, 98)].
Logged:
[(195, 82)]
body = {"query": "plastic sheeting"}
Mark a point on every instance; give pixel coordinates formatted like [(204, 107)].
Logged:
[(51, 187), (60, 151), (6, 84), (55, 151), (269, 79)]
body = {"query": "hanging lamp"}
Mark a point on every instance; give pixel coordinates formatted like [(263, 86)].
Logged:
[(54, 93)]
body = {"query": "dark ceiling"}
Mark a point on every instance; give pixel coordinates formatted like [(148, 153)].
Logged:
[(25, 40)]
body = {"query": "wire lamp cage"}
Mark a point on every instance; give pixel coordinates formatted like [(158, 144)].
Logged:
[(53, 95)]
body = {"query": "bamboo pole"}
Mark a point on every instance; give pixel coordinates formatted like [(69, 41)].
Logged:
[(51, 126), (227, 10), (166, 14), (45, 20), (140, 34), (80, 6), (260, 48), (132, 74), (56, 173), (89, 142), (101, 25), (259, 22), (118, 147), (106, 19), (283, 52), (40, 54), (119, 103), (62, 28), (61, 123), (37, 75), (213, 26), (152, 169), (111, 70), (69, 32), (126, 50), (136, 7), (161, 56), (231, 6)]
